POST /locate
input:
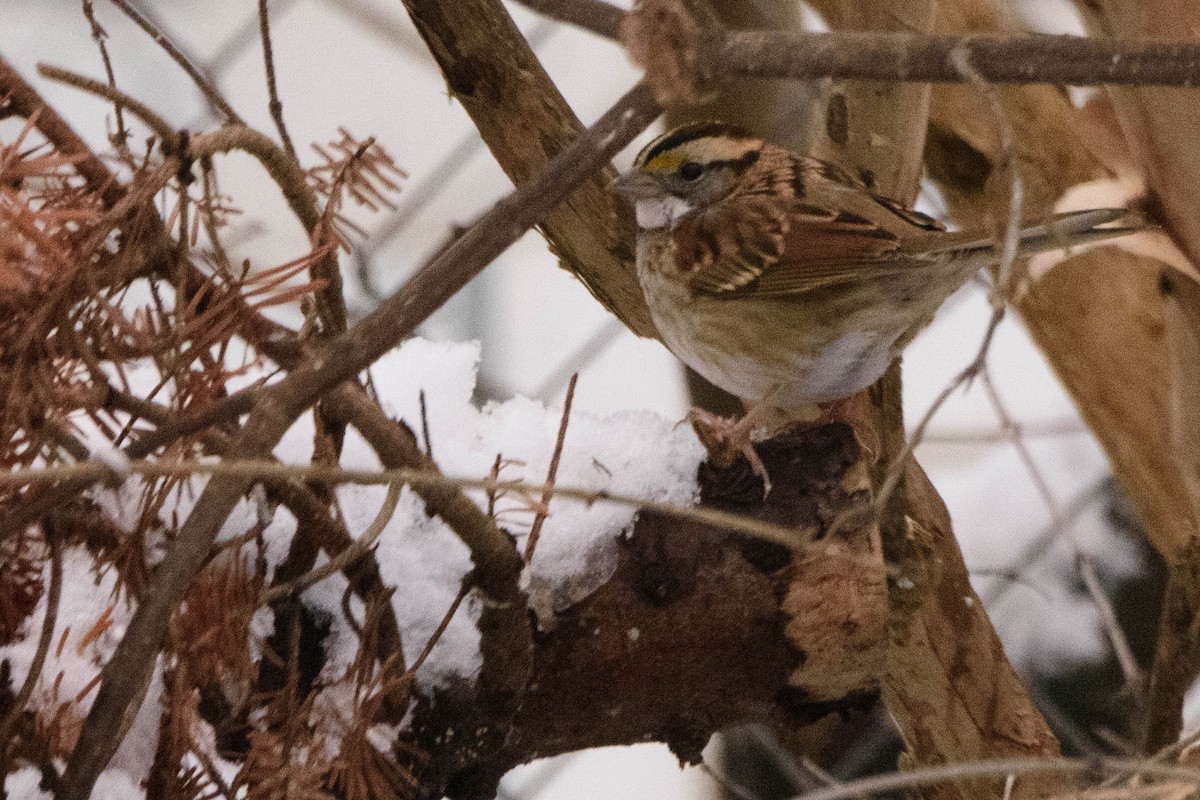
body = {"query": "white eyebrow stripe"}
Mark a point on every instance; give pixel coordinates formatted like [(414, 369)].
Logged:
[(661, 212)]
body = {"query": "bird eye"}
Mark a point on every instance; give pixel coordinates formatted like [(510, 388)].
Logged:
[(690, 170)]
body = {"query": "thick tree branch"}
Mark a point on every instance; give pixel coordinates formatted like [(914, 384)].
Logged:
[(687, 637)]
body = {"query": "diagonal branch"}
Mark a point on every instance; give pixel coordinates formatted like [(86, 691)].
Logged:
[(524, 119), (210, 92)]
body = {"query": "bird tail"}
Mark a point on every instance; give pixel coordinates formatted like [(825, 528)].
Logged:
[(1060, 232)]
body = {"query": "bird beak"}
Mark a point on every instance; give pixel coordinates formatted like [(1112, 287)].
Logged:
[(637, 185)]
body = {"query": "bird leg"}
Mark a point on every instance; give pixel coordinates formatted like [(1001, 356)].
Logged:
[(724, 438)]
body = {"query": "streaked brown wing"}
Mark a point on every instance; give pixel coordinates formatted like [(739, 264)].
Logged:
[(837, 232), (727, 249)]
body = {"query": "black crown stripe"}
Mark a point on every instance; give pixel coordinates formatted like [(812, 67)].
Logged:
[(690, 132)]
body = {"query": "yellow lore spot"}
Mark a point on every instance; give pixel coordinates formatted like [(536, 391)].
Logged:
[(665, 162)]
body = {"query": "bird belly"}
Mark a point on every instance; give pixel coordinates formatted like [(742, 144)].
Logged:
[(848, 365), (760, 349)]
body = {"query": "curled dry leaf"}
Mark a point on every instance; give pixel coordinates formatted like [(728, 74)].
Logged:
[(1158, 127), (1100, 132), (1182, 313)]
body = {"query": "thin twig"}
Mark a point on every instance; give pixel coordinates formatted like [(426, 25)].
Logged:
[(463, 591), (1021, 767), (208, 214), (98, 36), (896, 471), (283, 169), (260, 470), (1169, 752), (425, 425), (274, 104), (1039, 545), (43, 646), (344, 559), (489, 488), (1010, 237), (539, 519), (972, 435), (1004, 285), (1132, 673), (160, 127), (209, 91)]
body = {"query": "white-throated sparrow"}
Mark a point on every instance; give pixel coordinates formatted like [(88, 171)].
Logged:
[(783, 279)]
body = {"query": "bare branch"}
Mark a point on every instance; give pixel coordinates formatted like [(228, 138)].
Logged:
[(99, 35), (43, 646), (26, 101), (275, 105), (161, 128), (1071, 60), (548, 490), (341, 561), (206, 88), (1021, 767), (597, 16), (1135, 680), (283, 168), (422, 479)]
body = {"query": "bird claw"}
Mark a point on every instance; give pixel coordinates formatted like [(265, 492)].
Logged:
[(724, 438)]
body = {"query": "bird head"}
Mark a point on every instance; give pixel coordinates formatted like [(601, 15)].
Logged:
[(687, 169)]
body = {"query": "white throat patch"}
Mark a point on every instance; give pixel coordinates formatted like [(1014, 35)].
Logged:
[(661, 213)]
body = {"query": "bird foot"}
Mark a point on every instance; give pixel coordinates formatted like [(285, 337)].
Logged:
[(724, 438)]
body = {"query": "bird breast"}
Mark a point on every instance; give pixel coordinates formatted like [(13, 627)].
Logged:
[(757, 348)]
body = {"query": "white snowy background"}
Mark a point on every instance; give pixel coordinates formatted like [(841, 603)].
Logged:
[(360, 64)]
